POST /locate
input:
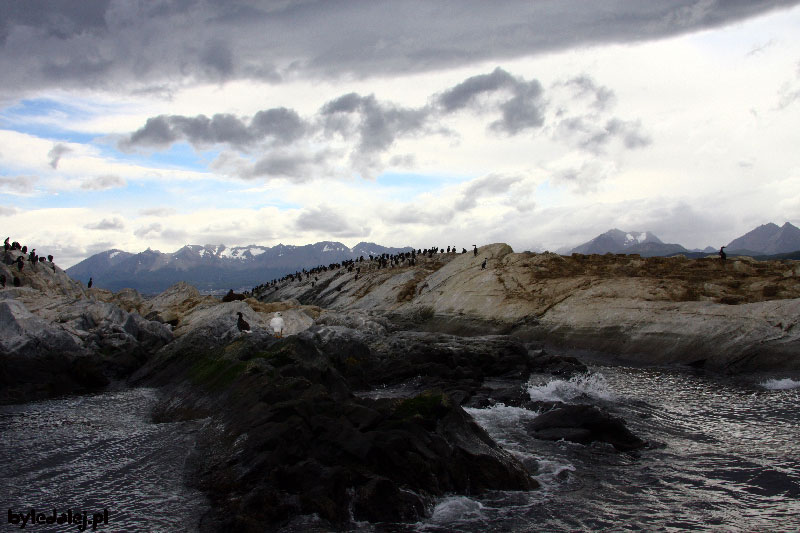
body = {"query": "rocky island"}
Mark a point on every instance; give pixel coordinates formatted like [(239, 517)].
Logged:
[(357, 412)]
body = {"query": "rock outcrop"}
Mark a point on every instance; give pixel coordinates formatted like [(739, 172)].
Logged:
[(737, 315), (57, 338), (584, 424), (295, 440)]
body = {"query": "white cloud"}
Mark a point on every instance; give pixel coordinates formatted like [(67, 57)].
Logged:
[(690, 135)]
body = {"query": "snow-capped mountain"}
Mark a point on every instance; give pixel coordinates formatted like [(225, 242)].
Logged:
[(628, 242), (213, 267)]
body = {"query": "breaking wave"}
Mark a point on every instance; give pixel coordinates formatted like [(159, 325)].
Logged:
[(583, 386), (781, 384)]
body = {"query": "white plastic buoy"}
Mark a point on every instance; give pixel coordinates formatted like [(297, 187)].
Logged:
[(277, 325)]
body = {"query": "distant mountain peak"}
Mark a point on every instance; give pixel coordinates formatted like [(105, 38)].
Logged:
[(768, 239), (627, 242)]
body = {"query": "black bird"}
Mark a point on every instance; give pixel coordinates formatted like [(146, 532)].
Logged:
[(17, 282), (475, 250), (50, 258), (89, 285), (20, 263), (3, 280), (242, 323), (722, 254), (483, 265)]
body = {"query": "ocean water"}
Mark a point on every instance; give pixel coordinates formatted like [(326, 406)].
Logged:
[(724, 455), (96, 453)]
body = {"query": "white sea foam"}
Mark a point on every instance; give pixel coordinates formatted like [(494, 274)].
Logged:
[(551, 472), (592, 385), (781, 384), (501, 415), (456, 509)]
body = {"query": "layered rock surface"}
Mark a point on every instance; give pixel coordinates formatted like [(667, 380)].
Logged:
[(57, 338), (737, 315)]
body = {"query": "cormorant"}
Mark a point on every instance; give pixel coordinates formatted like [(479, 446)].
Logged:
[(475, 250), (17, 282), (241, 323), (483, 265), (722, 254), (89, 285)]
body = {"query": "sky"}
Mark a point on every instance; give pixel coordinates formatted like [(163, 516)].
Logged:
[(135, 124)]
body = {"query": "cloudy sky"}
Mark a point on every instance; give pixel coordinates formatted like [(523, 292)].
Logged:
[(144, 123)]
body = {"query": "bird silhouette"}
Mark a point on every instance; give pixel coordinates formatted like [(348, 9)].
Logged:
[(242, 323)]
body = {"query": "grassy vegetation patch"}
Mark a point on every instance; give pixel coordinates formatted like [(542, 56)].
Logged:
[(215, 372)]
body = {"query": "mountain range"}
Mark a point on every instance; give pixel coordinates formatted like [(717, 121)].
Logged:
[(213, 268), (766, 240), (216, 268)]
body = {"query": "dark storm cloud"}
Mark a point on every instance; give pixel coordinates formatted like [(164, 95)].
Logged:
[(55, 18), (326, 220), (156, 132), (464, 94), (522, 106), (279, 125), (217, 59), (378, 123), (56, 152), (370, 127), (140, 43), (522, 111), (297, 167)]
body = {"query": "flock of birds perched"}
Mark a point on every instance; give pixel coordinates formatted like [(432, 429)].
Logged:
[(384, 260), (277, 322), (33, 258)]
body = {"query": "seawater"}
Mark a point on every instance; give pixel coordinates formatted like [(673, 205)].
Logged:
[(724, 455), (97, 452)]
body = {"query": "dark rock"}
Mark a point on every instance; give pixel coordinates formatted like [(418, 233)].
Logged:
[(298, 442), (558, 365), (584, 424), (382, 500)]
